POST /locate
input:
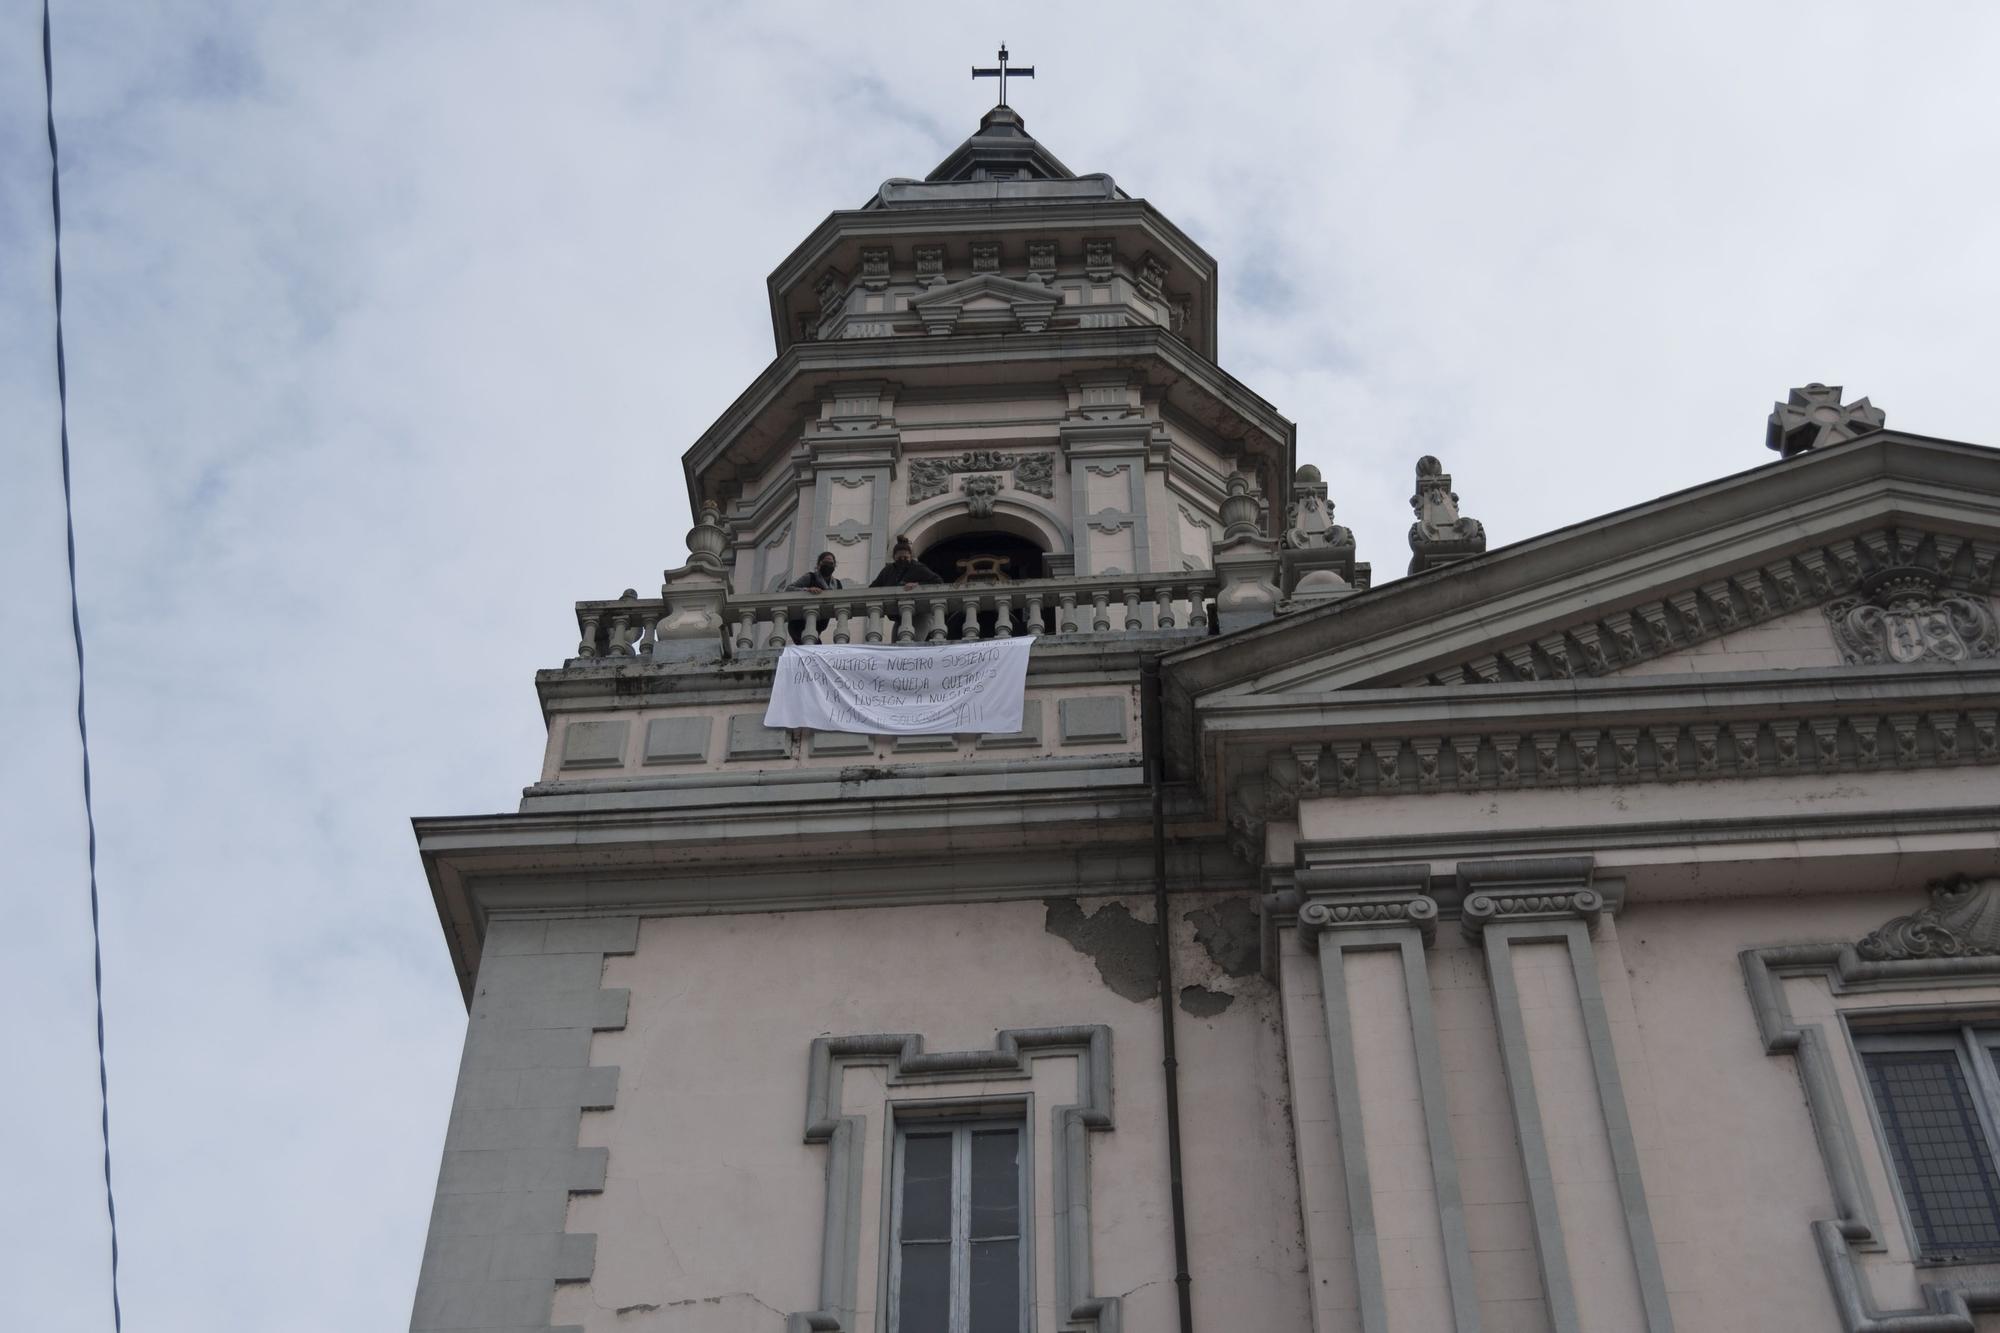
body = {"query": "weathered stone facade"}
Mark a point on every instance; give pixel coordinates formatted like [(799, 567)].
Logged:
[(1537, 927)]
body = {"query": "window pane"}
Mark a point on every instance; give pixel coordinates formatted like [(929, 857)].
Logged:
[(996, 1183), (924, 1299), (927, 1187), (996, 1286), (1941, 1156)]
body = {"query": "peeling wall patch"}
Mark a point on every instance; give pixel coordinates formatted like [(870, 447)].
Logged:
[(1229, 931), (1122, 946), (1203, 1002)]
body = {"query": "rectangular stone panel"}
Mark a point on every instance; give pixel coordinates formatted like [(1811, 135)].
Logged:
[(1098, 719), (922, 744), (594, 744), (840, 742), (677, 740), (749, 738), (1028, 736)]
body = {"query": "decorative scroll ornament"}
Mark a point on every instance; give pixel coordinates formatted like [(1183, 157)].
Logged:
[(1440, 535), (1369, 909), (1034, 473), (1815, 416), (1905, 614), (1317, 564), (1963, 921), (1309, 521)]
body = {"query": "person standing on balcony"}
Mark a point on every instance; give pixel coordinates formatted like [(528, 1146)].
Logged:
[(820, 577), (904, 570)]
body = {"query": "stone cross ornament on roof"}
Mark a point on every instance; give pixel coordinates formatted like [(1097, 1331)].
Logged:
[(1815, 416)]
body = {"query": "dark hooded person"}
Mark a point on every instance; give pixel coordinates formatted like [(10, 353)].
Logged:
[(904, 570)]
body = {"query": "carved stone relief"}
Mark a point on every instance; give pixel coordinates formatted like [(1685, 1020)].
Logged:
[(1744, 747), (980, 492), (1906, 615), (1441, 534), (1034, 473), (832, 285), (1962, 921), (875, 268), (1309, 521)]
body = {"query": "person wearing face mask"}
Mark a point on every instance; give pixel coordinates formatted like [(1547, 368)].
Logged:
[(904, 569), (820, 577)]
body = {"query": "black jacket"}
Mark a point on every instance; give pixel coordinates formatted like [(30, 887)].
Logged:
[(812, 578), (898, 572)]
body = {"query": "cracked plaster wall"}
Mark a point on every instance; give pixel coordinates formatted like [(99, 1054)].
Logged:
[(710, 1217)]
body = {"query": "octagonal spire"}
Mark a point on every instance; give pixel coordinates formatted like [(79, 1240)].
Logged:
[(1001, 150)]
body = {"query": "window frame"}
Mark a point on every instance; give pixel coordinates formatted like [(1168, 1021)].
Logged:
[(1975, 1040), (962, 1119)]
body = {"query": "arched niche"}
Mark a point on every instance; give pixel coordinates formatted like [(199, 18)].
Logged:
[(950, 517), (1015, 533)]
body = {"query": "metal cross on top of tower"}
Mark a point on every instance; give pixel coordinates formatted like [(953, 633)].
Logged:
[(1002, 73)]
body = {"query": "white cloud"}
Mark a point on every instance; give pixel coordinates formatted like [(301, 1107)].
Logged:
[(389, 324)]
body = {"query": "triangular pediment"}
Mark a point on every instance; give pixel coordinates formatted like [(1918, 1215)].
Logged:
[(1878, 551), (985, 287), (986, 302)]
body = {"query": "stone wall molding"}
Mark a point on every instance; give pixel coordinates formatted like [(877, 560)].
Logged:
[(1839, 736), (903, 1056)]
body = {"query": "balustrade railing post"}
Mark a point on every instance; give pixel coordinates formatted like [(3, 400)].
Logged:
[(587, 645), (872, 632), (1100, 603), (906, 630), (937, 634), (1034, 612), (780, 633), (1066, 617), (620, 643), (1132, 625), (746, 629), (1163, 607), (1197, 606), (1003, 616), (842, 614), (648, 622), (809, 632)]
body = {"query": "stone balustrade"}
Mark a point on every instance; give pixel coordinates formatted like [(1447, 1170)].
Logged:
[(1179, 604)]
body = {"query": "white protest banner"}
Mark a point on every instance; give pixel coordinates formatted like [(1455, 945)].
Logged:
[(882, 689)]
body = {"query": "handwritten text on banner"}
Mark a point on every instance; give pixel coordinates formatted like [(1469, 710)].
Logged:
[(902, 689)]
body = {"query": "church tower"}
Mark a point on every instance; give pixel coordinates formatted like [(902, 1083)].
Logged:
[(749, 1006), (1596, 933)]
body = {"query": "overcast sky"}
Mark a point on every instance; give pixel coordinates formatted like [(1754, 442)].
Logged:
[(388, 324)]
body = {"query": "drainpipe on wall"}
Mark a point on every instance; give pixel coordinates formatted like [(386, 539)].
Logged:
[(1150, 732)]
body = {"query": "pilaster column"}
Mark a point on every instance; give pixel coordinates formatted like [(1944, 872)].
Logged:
[(1107, 487), (851, 456), (1534, 919), (1403, 1203)]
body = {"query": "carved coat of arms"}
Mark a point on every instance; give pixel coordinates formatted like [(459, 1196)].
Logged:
[(1907, 616)]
